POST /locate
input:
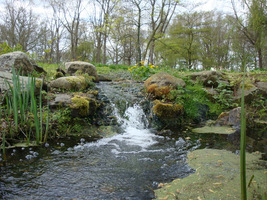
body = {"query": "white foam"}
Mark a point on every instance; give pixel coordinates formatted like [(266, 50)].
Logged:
[(135, 134)]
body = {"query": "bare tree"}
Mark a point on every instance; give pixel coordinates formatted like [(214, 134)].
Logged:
[(160, 16), (19, 26), (254, 25)]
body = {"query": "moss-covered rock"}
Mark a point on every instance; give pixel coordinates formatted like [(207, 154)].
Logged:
[(81, 105), (74, 83), (58, 75), (167, 114), (208, 78), (160, 84), (217, 176), (167, 110), (83, 67), (215, 129)]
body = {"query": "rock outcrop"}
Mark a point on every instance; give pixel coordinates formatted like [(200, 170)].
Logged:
[(209, 78), (82, 67), (6, 78), (80, 104), (18, 60), (162, 83), (74, 83)]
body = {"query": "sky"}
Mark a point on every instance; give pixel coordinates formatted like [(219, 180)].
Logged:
[(207, 5)]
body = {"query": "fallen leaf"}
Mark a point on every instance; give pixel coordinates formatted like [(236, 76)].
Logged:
[(211, 191), (178, 191), (217, 183), (187, 138), (220, 176), (198, 198), (165, 198), (161, 184)]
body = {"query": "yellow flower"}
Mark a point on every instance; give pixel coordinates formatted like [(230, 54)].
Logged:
[(152, 66), (157, 66)]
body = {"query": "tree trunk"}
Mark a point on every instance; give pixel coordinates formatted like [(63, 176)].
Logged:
[(139, 56), (260, 58)]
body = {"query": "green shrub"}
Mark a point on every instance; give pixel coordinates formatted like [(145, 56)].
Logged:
[(5, 48)]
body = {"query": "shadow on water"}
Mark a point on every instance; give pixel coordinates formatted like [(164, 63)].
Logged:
[(128, 165)]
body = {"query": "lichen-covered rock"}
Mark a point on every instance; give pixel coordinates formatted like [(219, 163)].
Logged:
[(249, 94), (6, 77), (18, 60), (231, 118), (209, 78), (75, 83), (262, 88), (162, 83), (83, 67)]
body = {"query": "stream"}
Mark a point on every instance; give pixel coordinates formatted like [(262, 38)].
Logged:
[(127, 165)]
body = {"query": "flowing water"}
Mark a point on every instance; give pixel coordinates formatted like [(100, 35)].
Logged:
[(128, 165)]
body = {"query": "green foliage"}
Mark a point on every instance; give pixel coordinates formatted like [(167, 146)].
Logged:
[(259, 105), (5, 48), (21, 109), (224, 96), (192, 98), (142, 71)]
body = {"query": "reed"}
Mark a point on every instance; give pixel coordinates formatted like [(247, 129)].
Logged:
[(243, 143), (21, 103)]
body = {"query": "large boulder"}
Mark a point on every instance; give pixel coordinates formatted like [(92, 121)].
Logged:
[(209, 78), (80, 104), (167, 114), (83, 67), (73, 83), (162, 83), (18, 60), (6, 79), (231, 118)]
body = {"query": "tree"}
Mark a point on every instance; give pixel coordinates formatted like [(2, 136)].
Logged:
[(19, 26), (107, 7), (71, 20), (160, 17), (184, 38), (254, 26), (215, 41)]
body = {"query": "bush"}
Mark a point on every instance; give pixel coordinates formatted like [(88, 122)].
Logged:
[(5, 48)]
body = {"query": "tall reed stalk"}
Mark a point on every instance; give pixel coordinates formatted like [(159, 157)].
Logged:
[(20, 103), (243, 142)]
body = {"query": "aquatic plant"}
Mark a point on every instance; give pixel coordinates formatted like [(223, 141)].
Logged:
[(22, 107), (243, 143)]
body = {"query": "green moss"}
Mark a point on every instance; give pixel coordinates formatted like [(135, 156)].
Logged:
[(217, 177), (58, 75), (167, 110), (81, 104), (77, 80)]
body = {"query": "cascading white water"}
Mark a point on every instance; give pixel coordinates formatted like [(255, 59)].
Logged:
[(124, 166), (135, 132)]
